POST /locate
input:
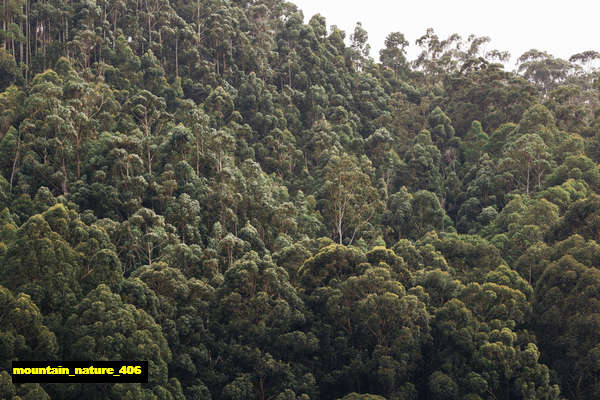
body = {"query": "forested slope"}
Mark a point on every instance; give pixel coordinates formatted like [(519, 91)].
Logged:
[(264, 212)]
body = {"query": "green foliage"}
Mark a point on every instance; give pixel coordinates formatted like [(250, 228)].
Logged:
[(8, 70), (356, 396), (24, 335), (569, 283), (104, 328), (351, 201), (211, 186), (423, 164)]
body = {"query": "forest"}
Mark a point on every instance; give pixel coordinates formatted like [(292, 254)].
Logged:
[(259, 207)]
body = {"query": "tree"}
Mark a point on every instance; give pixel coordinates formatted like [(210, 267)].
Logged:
[(394, 54), (473, 144), (41, 263), (331, 262), (27, 391), (427, 214), (351, 200), (357, 396), (103, 327), (49, 126), (440, 127), (398, 212), (149, 112), (255, 315), (181, 307), (360, 47), (570, 338), (525, 160), (438, 57), (23, 334), (543, 69), (197, 121), (8, 69), (423, 164), (580, 218), (586, 58), (142, 239)]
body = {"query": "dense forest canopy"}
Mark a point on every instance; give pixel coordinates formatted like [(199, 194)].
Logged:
[(263, 211)]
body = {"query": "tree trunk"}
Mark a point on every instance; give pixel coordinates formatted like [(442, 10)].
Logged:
[(149, 158), (67, 34), (103, 20), (21, 43), (64, 169), (176, 57), (339, 229), (197, 157), (4, 23), (12, 41), (149, 250), (290, 72), (528, 171), (198, 21), (35, 41), (114, 27), (14, 166), (149, 31), (43, 40), (28, 34), (78, 158), (261, 388)]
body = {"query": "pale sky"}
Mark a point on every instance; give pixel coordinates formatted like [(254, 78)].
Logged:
[(562, 28)]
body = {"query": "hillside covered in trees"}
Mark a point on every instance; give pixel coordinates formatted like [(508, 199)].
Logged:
[(262, 210)]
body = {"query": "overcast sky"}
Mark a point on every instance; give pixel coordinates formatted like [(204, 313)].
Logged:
[(513, 25)]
